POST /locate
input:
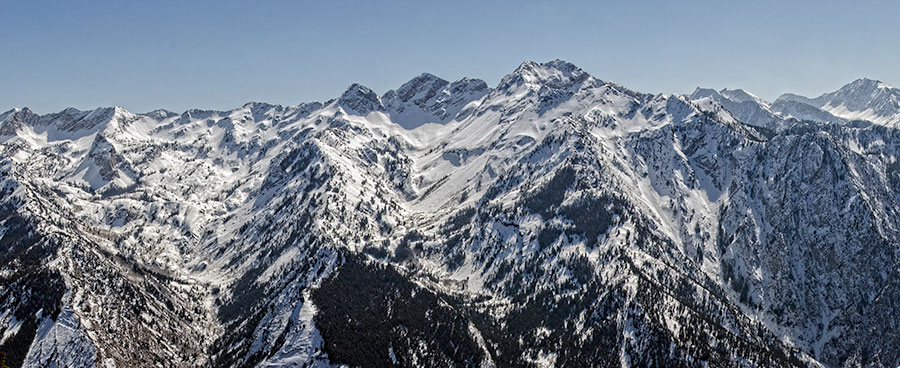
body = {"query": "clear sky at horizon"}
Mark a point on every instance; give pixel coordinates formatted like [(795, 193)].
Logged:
[(221, 54)]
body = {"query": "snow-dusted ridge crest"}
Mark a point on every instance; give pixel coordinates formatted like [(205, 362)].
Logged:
[(555, 219), (863, 99)]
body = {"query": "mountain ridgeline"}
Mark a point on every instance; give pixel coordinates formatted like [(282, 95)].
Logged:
[(553, 220)]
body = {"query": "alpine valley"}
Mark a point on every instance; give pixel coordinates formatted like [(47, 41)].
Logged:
[(555, 220)]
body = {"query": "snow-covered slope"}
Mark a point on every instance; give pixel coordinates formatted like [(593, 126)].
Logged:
[(554, 220)]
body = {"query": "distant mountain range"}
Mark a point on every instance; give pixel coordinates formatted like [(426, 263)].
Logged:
[(862, 99), (553, 220)]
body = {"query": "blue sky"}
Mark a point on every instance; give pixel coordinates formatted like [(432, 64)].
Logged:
[(221, 54)]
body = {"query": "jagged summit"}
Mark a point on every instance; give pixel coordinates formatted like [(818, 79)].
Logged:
[(18, 113), (430, 99), (16, 110), (418, 91), (557, 74), (863, 94), (422, 87), (468, 84), (867, 83), (13, 120), (360, 100), (75, 120)]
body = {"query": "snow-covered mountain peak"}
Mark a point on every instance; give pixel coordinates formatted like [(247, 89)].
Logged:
[(121, 112), (15, 110), (858, 91), (737, 95), (12, 120), (468, 86), (418, 91), (72, 120), (866, 83), (866, 94), (99, 119), (743, 105), (257, 106), (863, 99), (17, 113), (360, 100), (700, 92), (792, 97), (422, 87), (161, 114), (557, 74), (740, 95), (430, 99)]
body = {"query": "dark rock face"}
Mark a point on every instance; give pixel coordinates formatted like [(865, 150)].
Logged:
[(360, 99), (429, 99)]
